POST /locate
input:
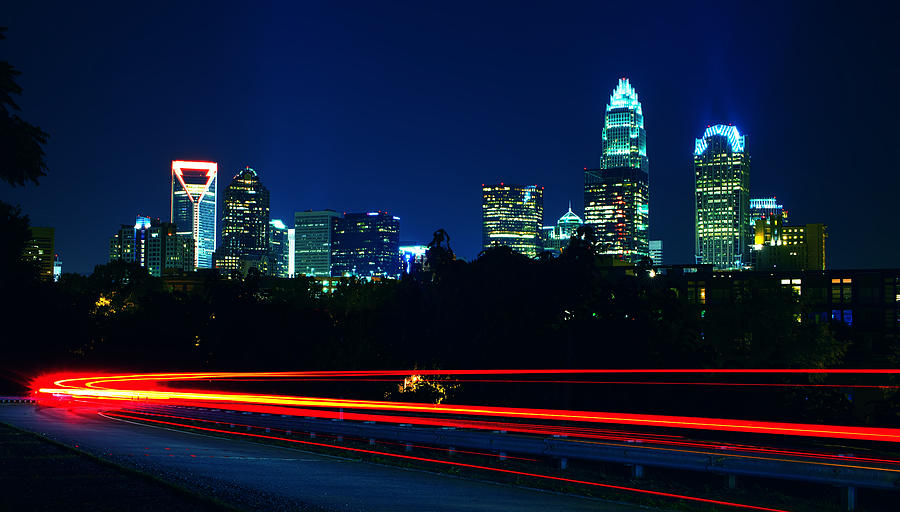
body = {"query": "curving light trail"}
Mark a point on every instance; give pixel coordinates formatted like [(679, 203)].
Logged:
[(145, 388), (121, 391)]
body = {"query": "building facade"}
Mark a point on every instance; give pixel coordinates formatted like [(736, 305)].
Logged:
[(656, 252), (617, 195), (193, 206), (39, 251), (291, 249), (57, 268), (784, 247), (366, 245), (279, 249), (313, 230), (154, 245), (765, 207), (556, 237), (412, 256), (722, 199), (245, 223), (512, 216)]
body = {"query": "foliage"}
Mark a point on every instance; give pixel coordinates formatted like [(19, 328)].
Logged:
[(501, 310), (21, 143)]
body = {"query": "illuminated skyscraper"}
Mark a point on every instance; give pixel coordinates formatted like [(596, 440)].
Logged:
[(722, 198), (556, 238), (512, 216), (193, 206), (154, 245), (366, 245), (617, 195), (764, 208), (279, 249), (312, 242), (245, 223)]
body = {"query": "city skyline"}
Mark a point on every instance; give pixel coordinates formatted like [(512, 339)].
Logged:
[(393, 138)]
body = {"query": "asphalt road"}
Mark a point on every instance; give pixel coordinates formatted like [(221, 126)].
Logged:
[(275, 478)]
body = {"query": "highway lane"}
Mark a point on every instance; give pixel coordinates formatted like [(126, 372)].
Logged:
[(275, 478)]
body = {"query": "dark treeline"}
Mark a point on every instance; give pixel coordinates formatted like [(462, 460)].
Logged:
[(501, 310)]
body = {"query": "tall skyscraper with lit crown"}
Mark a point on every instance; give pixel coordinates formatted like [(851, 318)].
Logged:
[(193, 206), (617, 195), (722, 198)]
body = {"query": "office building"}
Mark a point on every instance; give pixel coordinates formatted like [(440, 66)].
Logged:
[(765, 207), (366, 245), (512, 216), (291, 249), (556, 237), (279, 249), (784, 247), (412, 256), (39, 251), (722, 198), (245, 224), (57, 268), (656, 252), (193, 206), (617, 194), (313, 231), (154, 245)]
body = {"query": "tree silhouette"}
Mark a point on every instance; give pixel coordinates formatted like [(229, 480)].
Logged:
[(20, 142)]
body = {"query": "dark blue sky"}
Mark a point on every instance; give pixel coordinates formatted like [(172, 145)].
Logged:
[(410, 107)]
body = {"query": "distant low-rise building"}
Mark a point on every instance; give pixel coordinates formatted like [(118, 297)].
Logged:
[(154, 245), (412, 256), (780, 246), (39, 251), (57, 268), (656, 252)]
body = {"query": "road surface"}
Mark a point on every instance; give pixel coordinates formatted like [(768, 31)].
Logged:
[(264, 477)]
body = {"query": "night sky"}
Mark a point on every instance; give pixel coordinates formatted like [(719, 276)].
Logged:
[(409, 108)]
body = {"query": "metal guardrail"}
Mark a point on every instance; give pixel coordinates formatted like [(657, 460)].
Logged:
[(16, 400), (785, 468)]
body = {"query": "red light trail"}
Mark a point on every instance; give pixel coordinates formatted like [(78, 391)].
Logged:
[(104, 388), (121, 391)]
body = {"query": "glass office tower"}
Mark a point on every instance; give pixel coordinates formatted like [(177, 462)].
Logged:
[(512, 215), (245, 223), (312, 242), (722, 198), (193, 206), (366, 245), (617, 195), (279, 249)]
